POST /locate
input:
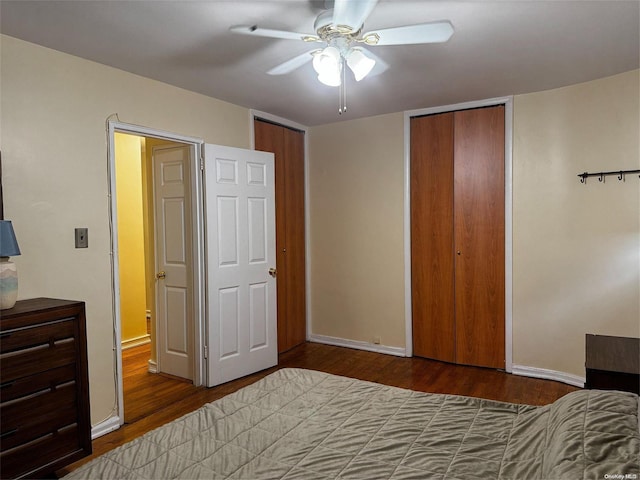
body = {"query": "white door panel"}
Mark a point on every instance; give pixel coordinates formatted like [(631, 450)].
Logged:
[(240, 239), (173, 257), (258, 324)]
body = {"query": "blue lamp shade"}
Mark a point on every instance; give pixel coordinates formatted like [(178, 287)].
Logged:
[(8, 273), (8, 243)]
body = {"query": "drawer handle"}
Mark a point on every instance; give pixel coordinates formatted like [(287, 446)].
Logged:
[(9, 433), (5, 335), (6, 385)]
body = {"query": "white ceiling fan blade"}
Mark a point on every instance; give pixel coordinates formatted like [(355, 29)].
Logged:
[(436, 32), (292, 64), (352, 13), (255, 31)]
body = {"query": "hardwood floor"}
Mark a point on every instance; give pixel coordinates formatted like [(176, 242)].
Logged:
[(146, 393), (156, 401)]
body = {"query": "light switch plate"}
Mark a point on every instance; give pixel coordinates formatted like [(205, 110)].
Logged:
[(82, 237)]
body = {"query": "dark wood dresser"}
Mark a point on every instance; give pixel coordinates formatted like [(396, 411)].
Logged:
[(44, 387), (613, 363)]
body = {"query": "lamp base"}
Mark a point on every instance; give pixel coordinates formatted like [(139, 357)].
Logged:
[(8, 283)]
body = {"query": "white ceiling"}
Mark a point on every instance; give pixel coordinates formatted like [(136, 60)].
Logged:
[(498, 48)]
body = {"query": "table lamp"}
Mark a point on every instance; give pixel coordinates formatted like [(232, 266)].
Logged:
[(8, 272)]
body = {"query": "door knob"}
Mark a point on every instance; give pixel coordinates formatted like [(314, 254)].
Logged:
[(459, 252), (272, 272), (161, 275)]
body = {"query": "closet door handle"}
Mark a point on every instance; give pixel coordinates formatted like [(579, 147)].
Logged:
[(459, 252)]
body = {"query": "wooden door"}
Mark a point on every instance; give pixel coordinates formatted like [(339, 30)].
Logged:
[(269, 138), (457, 236), (479, 236), (296, 324), (288, 146), (173, 260), (432, 260)]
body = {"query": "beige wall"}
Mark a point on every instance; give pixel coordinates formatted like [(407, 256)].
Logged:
[(356, 211), (576, 247), (54, 164), (131, 243)]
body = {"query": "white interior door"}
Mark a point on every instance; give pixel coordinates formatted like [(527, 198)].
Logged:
[(240, 242), (172, 200)]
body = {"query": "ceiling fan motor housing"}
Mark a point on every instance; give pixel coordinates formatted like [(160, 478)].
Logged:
[(323, 20), (326, 29)]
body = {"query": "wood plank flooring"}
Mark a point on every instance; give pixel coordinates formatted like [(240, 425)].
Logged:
[(144, 392), (151, 402)]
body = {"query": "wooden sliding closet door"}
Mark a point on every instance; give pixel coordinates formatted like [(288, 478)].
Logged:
[(268, 138), (294, 238), (457, 236), (432, 262), (288, 147), (479, 236)]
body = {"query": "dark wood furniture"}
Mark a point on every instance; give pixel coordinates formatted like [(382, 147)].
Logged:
[(44, 387), (613, 363)]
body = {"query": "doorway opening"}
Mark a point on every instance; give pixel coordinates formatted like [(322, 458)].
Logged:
[(155, 267), (211, 202)]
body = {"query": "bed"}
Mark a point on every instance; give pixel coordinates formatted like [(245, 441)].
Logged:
[(303, 424)]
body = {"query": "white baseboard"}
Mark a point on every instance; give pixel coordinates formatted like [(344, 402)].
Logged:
[(153, 366), (136, 342), (371, 347), (107, 426), (546, 374)]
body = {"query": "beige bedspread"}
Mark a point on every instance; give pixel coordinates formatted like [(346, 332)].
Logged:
[(302, 424)]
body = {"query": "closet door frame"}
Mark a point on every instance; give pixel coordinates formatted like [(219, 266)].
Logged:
[(256, 114), (508, 210)]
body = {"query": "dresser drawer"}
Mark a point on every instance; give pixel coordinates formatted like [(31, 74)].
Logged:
[(42, 454), (23, 363), (23, 338), (36, 415), (22, 387)]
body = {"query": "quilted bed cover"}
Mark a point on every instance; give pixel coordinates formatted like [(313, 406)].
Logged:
[(303, 424)]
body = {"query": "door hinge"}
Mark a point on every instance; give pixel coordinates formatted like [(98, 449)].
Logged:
[(201, 163), (206, 352)]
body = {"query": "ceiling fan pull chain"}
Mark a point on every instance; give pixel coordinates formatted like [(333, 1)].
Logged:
[(343, 89), (344, 86)]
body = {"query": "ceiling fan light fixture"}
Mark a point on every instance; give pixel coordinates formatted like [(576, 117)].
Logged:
[(359, 63), (327, 64), (326, 60), (330, 79)]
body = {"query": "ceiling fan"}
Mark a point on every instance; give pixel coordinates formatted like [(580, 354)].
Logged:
[(341, 30)]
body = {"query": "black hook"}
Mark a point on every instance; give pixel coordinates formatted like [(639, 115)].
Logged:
[(620, 176), (601, 177)]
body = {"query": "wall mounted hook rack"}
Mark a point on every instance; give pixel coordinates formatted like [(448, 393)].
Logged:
[(620, 173)]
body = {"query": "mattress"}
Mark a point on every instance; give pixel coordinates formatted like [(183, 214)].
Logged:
[(303, 424)]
